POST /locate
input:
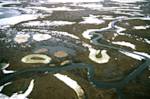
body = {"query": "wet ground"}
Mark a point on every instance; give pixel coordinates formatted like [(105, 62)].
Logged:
[(105, 49)]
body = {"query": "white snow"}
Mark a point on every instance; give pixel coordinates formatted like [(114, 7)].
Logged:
[(129, 9), (92, 0), (21, 38), (66, 34), (61, 9), (61, 23), (41, 8), (48, 23), (41, 37), (7, 71), (100, 7), (5, 65), (74, 1), (55, 33), (136, 55), (104, 56), (127, 1), (119, 29), (93, 54), (1, 87), (93, 6), (17, 95), (25, 94), (50, 10), (8, 2), (141, 27), (41, 58), (108, 17), (132, 55), (142, 53), (88, 33), (86, 45), (1, 13), (92, 19), (147, 41), (17, 19), (123, 43), (30, 88), (3, 96), (72, 84), (140, 18)]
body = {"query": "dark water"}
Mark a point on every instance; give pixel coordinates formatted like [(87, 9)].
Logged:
[(122, 76)]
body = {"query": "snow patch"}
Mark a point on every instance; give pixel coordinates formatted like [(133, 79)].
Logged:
[(1, 13), (41, 37), (123, 43), (108, 17), (4, 66), (93, 6), (17, 19), (92, 19), (72, 84), (141, 27), (88, 33), (50, 10), (104, 56), (147, 41), (132, 55), (48, 23), (64, 1), (142, 54), (128, 1), (8, 3), (66, 34), (16, 95), (21, 38), (119, 29)]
